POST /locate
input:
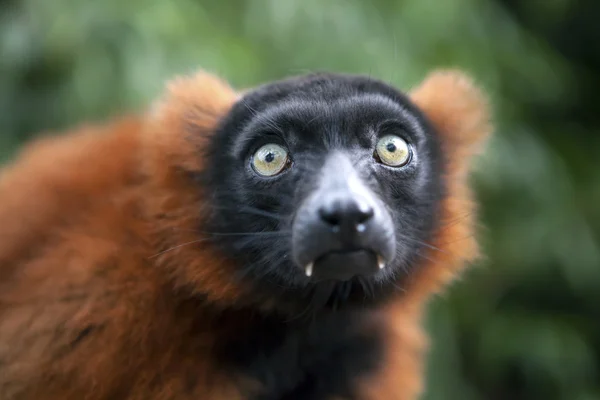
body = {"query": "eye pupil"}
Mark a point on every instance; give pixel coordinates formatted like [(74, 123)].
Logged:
[(270, 160), (393, 151)]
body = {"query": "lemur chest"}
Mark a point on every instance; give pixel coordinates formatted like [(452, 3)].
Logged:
[(319, 359)]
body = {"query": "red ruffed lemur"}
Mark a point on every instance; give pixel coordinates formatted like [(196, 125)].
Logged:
[(276, 244)]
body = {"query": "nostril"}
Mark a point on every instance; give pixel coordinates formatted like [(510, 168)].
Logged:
[(330, 215), (351, 212), (364, 212)]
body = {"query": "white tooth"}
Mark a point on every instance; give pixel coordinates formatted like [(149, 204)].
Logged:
[(309, 269), (380, 262)]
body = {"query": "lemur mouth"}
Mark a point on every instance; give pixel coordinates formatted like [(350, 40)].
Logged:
[(344, 265)]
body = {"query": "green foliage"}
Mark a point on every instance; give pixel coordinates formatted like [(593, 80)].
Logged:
[(523, 325)]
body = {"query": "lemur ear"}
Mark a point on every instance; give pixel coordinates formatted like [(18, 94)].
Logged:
[(459, 111), (175, 140), (184, 117)]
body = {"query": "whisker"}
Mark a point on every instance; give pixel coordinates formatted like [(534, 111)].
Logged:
[(310, 121), (263, 213), (363, 286), (280, 197), (267, 121), (178, 246), (368, 286), (460, 239), (417, 241), (263, 264), (254, 211), (424, 256), (400, 289), (260, 233), (453, 221), (282, 232), (302, 314)]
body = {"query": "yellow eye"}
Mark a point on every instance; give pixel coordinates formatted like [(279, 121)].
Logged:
[(270, 160), (393, 151)]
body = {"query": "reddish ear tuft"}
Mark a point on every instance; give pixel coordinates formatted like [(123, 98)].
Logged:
[(180, 122), (174, 141), (459, 111)]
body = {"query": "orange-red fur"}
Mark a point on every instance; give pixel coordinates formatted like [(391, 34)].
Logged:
[(74, 326), (459, 111)]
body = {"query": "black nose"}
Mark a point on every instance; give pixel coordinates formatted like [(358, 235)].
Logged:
[(343, 228), (345, 212)]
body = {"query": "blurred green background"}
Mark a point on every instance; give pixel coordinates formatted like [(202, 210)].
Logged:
[(525, 323)]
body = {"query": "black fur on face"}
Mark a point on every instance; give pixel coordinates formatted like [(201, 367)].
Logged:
[(336, 210)]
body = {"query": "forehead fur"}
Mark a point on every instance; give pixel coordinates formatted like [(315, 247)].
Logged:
[(193, 108)]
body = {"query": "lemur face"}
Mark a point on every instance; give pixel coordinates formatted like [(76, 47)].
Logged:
[(325, 184)]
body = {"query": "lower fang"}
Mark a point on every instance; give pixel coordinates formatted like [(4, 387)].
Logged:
[(309, 269), (380, 262)]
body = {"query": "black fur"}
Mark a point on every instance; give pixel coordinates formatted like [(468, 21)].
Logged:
[(319, 342), (312, 115), (297, 360)]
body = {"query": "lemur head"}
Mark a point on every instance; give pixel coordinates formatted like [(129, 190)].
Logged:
[(316, 192)]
